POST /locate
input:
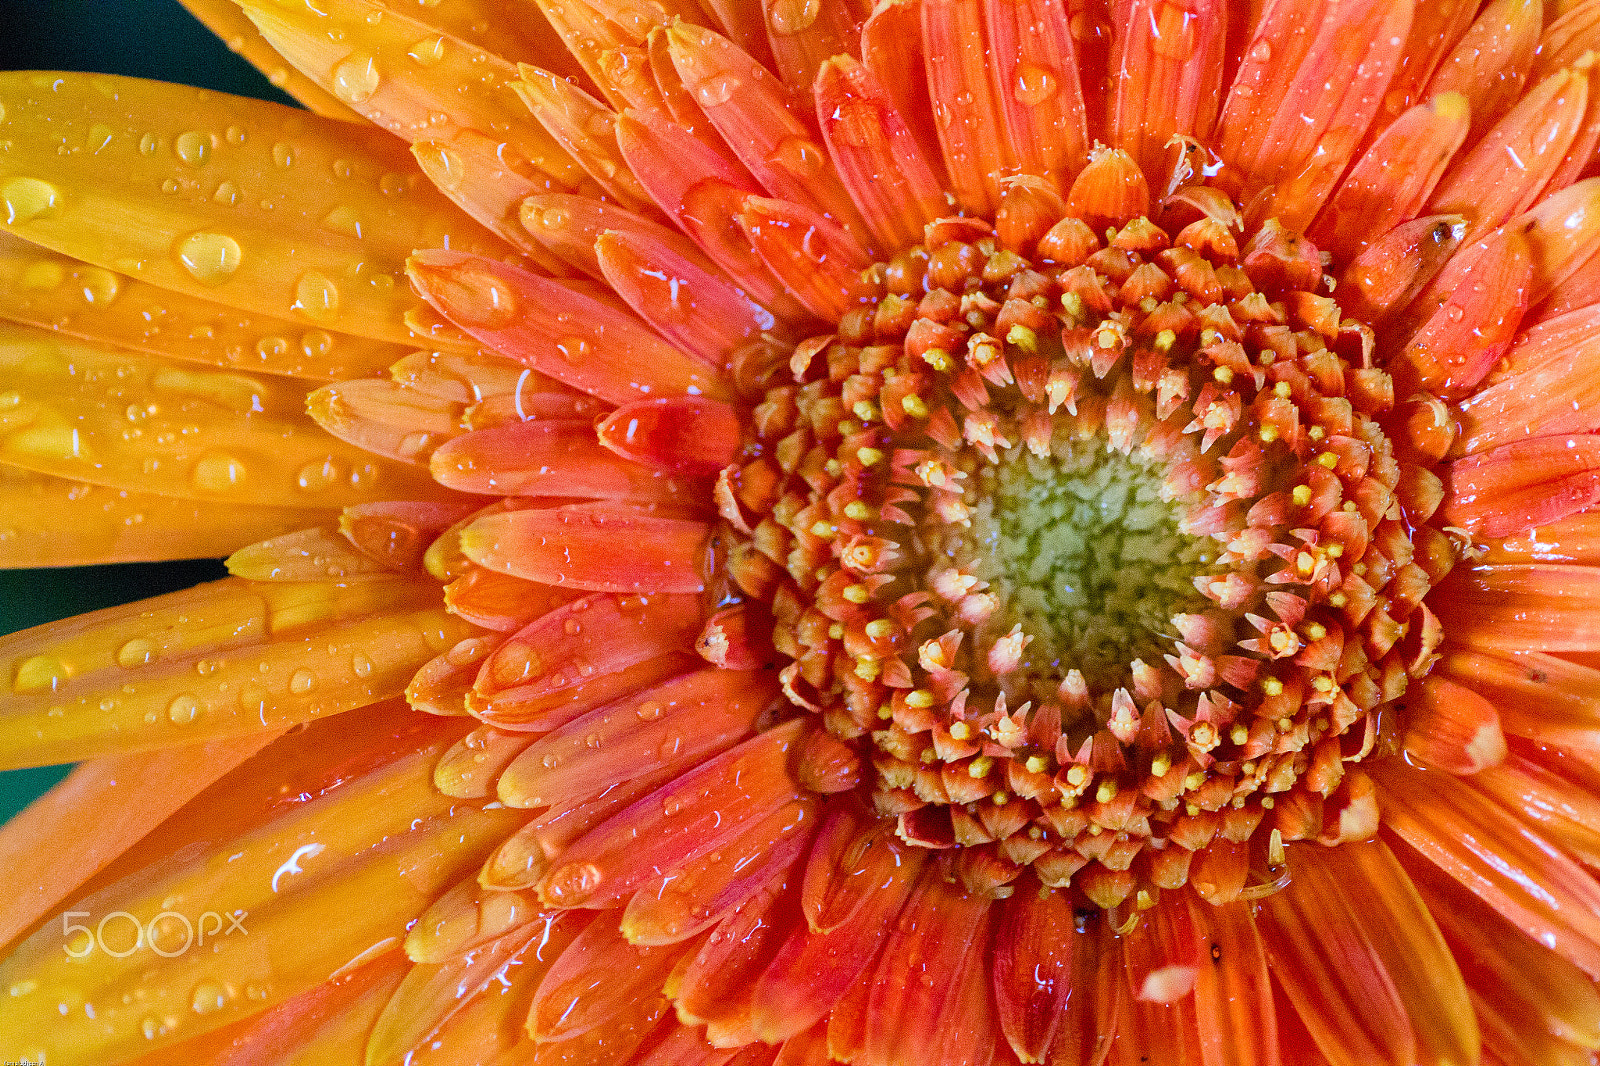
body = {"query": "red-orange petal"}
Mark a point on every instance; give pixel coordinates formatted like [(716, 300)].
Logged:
[(1491, 61), (970, 130), (680, 434), (1037, 90), (1234, 1009), (816, 261), (1523, 607), (1170, 77), (1524, 484), (1032, 955), (1452, 728), (575, 547)]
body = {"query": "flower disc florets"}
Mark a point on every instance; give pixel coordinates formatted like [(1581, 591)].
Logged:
[(1094, 545)]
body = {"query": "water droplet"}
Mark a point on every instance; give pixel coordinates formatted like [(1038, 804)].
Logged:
[(99, 136), (169, 186), (1034, 84), (40, 672), (573, 349), (478, 298), (361, 665), (315, 343), (100, 287), (1262, 52), (793, 16), (356, 79), (135, 652), (314, 477), (211, 258), (343, 220), (283, 154), (209, 997), (182, 709), (28, 198), (235, 135), (717, 89), (316, 296), (271, 347), (798, 156), (193, 147), (148, 144), (302, 682), (24, 987), (428, 51), (217, 472), (227, 194)]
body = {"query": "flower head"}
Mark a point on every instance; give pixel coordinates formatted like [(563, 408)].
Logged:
[(963, 532)]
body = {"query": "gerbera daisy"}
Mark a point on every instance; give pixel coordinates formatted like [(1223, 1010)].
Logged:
[(970, 531)]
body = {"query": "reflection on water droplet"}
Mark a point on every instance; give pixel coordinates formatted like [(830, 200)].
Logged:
[(793, 16), (28, 198), (217, 472), (316, 343), (1262, 52), (211, 258), (99, 136), (573, 349), (283, 154), (302, 682), (148, 144), (476, 297), (356, 79), (717, 89), (798, 156), (182, 709), (209, 997), (428, 51), (1034, 84), (314, 477), (316, 296), (193, 147), (227, 194), (361, 665), (40, 672), (135, 652), (234, 135)]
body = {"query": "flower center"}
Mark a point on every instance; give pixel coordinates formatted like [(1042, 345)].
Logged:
[(1093, 547)]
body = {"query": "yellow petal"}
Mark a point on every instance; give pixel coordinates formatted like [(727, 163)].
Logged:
[(52, 521), (221, 659), (223, 18), (258, 206), (413, 81), (141, 422), (42, 288), (324, 887)]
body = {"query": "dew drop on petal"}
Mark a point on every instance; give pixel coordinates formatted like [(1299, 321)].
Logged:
[(316, 296), (26, 199), (302, 682), (1034, 84), (793, 16), (193, 148), (183, 709), (135, 652), (100, 287), (356, 79), (428, 51), (211, 258), (217, 472)]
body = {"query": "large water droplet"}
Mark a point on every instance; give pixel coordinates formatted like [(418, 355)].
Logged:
[(135, 652), (1034, 84), (209, 997), (217, 472), (28, 198), (793, 16), (356, 79), (194, 148), (343, 220), (182, 709), (40, 672), (100, 287), (717, 89), (316, 296), (210, 257), (302, 682), (427, 51), (313, 477)]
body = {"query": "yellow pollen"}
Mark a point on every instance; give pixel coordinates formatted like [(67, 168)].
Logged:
[(1275, 853), (857, 510), (1272, 686), (823, 529), (913, 406), (1268, 434), (869, 456), (960, 730), (1036, 764), (886, 712), (1239, 733), (1316, 433), (1224, 375), (1327, 459), (1160, 765), (1023, 338), (1194, 781), (847, 427), (856, 593), (1077, 776), (1304, 561), (879, 628), (980, 766), (1000, 799), (1322, 683), (1106, 792), (1285, 724), (833, 467), (1302, 495), (1316, 631), (836, 631), (867, 670), (866, 410), (1335, 550), (1338, 599), (937, 358), (919, 697), (1165, 340), (1281, 390)]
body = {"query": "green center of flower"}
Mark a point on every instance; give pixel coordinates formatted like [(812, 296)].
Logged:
[(1083, 551)]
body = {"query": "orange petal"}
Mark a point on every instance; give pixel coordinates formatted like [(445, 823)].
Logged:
[(816, 260), (1148, 1031), (686, 300), (688, 899), (467, 915), (316, 865), (1233, 1000), (585, 128), (480, 183), (1572, 540), (1563, 231), (1452, 728), (1549, 367), (717, 986), (223, 659), (229, 23), (324, 1025), (1523, 974), (1531, 607), (686, 720), (1033, 956), (130, 795), (1498, 857), (547, 457), (370, 64), (805, 36), (556, 330), (595, 979), (1492, 60), (1170, 76), (689, 817), (930, 997), (574, 546), (891, 50), (1523, 485), (1435, 30), (569, 225), (1294, 131), (878, 157), (1161, 952), (317, 554), (1567, 38), (1504, 173), (1541, 697), (1390, 182), (970, 130), (61, 522), (1386, 277), (757, 124), (107, 207), (1032, 54), (681, 434), (385, 418), (1567, 813), (499, 601)]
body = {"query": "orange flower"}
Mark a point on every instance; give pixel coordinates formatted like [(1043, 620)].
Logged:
[(968, 532)]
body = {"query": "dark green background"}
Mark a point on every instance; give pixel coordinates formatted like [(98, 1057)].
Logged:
[(141, 38)]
